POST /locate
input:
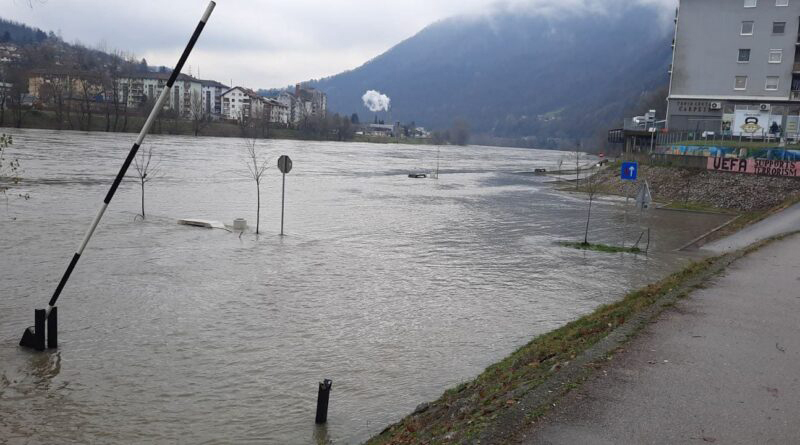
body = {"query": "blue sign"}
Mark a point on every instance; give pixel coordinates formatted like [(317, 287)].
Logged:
[(630, 171)]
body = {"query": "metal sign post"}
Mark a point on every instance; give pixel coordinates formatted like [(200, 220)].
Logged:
[(285, 166), (630, 172), (33, 337)]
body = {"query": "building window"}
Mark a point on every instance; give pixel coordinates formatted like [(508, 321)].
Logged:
[(781, 2), (747, 28), (741, 83), (775, 56), (772, 83), (778, 27), (750, 3), (744, 55)]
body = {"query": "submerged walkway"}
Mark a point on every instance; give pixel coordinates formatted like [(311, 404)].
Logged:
[(722, 367), (783, 222)]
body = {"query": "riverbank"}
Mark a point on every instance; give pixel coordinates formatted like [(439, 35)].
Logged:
[(703, 190), (718, 367), (45, 120), (516, 390), (512, 394)]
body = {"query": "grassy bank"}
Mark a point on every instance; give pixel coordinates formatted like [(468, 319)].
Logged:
[(465, 412), (600, 247)]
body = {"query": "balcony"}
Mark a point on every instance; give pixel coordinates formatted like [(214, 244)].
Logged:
[(796, 68), (795, 95)]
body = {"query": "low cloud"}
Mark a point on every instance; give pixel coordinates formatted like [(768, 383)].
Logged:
[(375, 101)]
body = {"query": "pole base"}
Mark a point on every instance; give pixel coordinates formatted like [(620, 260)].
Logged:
[(34, 336)]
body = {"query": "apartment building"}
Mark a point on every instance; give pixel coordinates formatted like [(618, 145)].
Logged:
[(212, 97), (736, 67), (186, 91)]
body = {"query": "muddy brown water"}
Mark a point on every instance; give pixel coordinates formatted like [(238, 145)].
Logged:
[(394, 288)]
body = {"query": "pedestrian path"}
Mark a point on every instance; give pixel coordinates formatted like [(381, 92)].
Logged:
[(781, 223)]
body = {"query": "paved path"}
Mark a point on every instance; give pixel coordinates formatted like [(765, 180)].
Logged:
[(722, 367), (784, 222)]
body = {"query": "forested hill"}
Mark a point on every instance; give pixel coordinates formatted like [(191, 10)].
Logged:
[(13, 32), (516, 75)]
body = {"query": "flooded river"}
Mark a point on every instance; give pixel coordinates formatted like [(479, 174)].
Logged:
[(394, 288)]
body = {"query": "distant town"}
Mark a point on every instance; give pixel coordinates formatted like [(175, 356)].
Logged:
[(46, 83)]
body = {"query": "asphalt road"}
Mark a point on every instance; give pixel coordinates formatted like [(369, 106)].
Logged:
[(723, 367), (784, 222)]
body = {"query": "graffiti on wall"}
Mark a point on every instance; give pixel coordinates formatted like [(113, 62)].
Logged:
[(766, 167)]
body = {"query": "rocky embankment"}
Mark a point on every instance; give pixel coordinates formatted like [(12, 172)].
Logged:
[(740, 192)]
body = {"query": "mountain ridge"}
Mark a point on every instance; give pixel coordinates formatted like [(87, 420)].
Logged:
[(516, 75)]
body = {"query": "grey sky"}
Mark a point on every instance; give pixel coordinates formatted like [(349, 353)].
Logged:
[(261, 43)]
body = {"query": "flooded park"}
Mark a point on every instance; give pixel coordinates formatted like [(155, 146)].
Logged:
[(394, 288)]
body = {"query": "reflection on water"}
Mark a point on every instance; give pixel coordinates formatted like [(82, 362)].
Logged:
[(394, 288)]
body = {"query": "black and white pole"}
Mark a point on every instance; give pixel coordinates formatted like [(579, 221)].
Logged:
[(34, 337), (285, 166)]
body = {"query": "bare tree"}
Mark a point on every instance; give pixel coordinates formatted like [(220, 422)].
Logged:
[(197, 114), (18, 95), (146, 170), (590, 185), (577, 165), (257, 164), (5, 91), (9, 168), (260, 117)]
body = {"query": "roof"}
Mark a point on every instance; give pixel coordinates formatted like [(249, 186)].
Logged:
[(212, 83), (246, 91)]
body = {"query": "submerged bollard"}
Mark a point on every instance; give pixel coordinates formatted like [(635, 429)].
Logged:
[(34, 336), (52, 329), (322, 400)]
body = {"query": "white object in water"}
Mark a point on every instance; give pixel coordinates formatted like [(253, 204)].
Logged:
[(240, 224), (201, 223)]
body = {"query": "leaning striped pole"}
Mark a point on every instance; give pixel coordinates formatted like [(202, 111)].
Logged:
[(34, 339)]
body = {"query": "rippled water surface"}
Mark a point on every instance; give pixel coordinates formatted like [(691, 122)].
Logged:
[(394, 288)]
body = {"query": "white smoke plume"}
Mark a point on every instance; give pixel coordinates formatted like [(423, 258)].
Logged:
[(376, 101)]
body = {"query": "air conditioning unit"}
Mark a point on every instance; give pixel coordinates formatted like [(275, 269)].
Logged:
[(715, 106), (764, 107)]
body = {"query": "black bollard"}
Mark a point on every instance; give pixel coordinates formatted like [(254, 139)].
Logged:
[(33, 336), (52, 329), (322, 401)]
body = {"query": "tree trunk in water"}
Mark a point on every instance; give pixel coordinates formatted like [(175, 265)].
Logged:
[(588, 218), (143, 216), (258, 207)]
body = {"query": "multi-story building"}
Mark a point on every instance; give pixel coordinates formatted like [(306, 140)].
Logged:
[(212, 97), (736, 67), (303, 103), (237, 103), (138, 90), (240, 103), (313, 103)]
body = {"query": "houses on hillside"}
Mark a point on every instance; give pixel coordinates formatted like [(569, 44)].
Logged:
[(190, 98)]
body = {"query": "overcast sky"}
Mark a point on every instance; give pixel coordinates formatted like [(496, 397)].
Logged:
[(261, 43)]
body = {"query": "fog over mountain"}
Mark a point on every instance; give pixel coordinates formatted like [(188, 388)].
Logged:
[(516, 73)]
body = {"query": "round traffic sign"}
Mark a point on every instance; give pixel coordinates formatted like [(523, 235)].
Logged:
[(285, 164)]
